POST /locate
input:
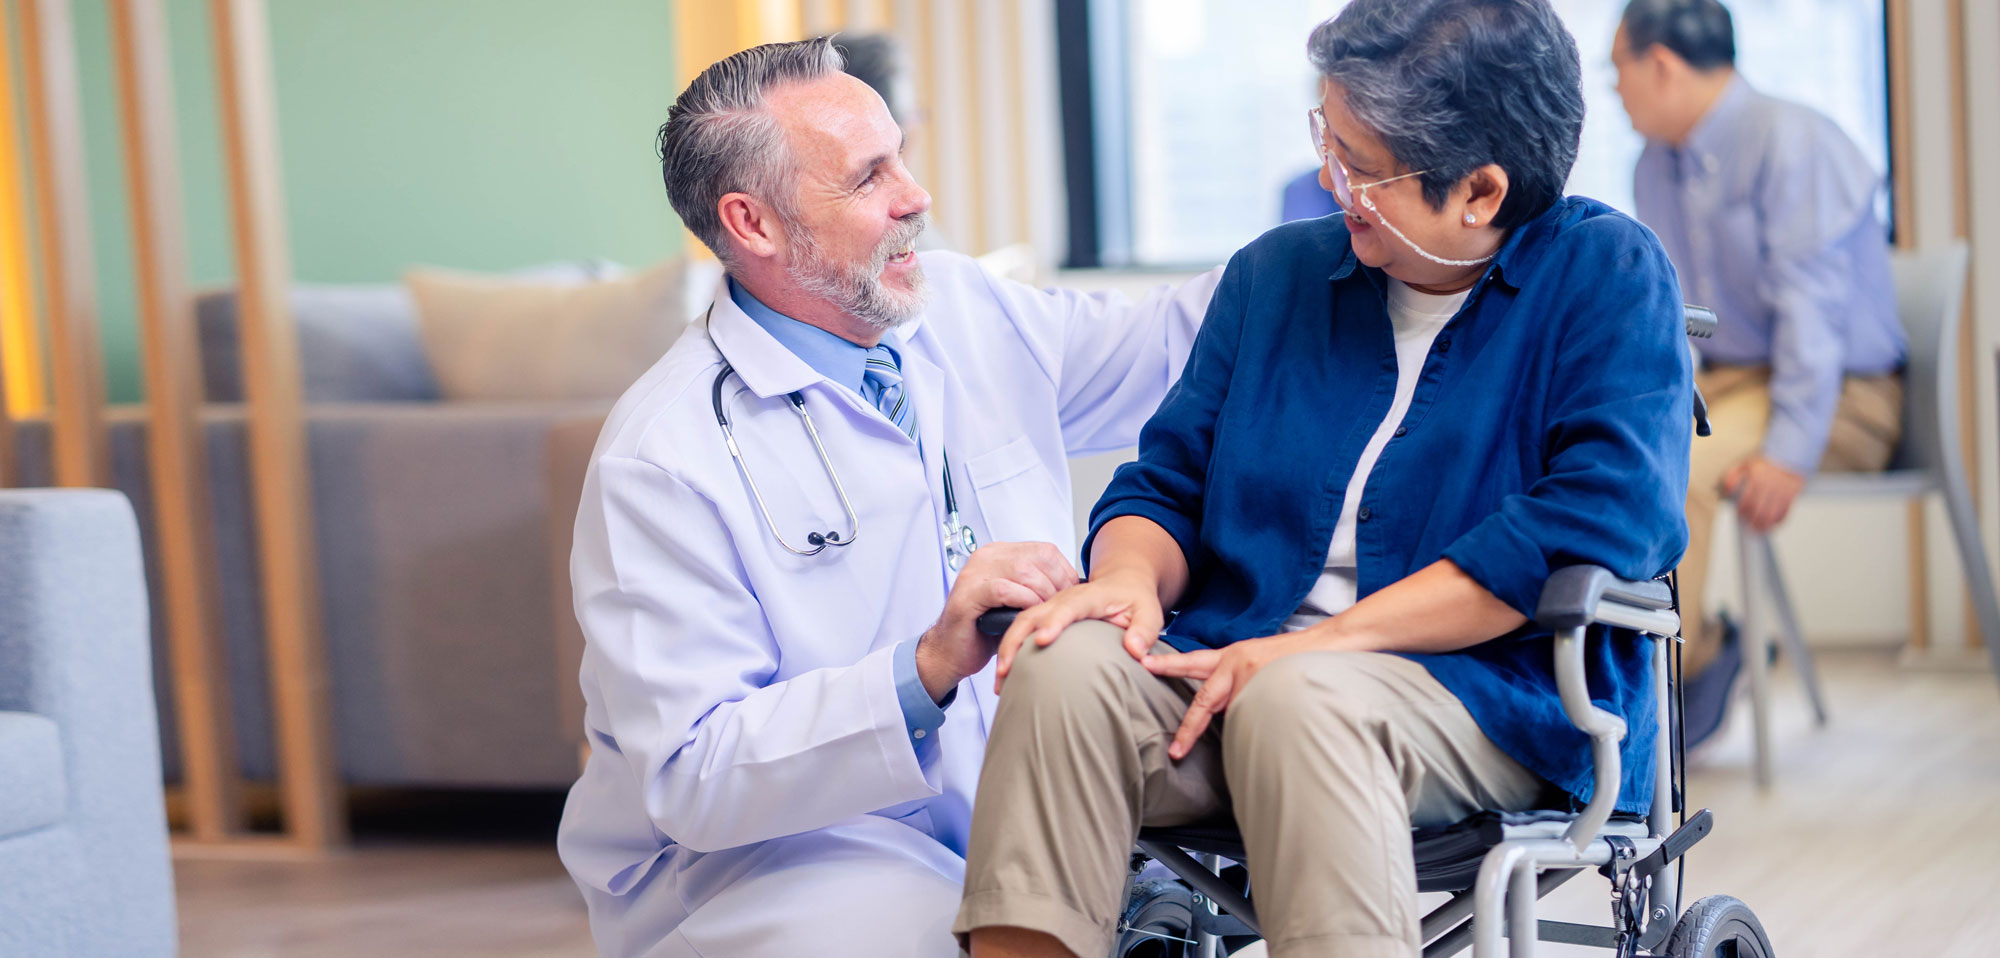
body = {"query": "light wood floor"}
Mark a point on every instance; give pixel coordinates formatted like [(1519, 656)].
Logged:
[(1881, 838)]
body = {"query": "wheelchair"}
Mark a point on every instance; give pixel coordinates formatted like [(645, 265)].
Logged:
[(1188, 897)]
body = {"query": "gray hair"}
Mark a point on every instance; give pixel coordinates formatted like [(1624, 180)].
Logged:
[(1452, 85), (719, 139)]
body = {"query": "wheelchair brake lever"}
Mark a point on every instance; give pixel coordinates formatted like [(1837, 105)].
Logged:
[(1677, 844)]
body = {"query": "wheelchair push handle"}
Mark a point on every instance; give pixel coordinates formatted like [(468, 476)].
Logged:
[(1701, 321), (994, 623)]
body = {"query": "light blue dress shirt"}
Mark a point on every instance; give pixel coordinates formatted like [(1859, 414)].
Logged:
[(1768, 214), (845, 363)]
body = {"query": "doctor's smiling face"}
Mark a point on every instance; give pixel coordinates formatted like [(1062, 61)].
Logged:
[(840, 252)]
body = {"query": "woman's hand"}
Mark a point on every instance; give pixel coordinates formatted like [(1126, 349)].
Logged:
[(1127, 599), (1223, 673)]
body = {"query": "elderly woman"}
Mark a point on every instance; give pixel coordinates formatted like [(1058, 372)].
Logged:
[(1396, 422)]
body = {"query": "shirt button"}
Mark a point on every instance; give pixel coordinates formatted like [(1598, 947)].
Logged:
[(919, 733), (1444, 344), (1402, 430), (1363, 514)]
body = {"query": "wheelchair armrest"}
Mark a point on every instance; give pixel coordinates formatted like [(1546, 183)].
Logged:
[(1574, 598), (1590, 595)]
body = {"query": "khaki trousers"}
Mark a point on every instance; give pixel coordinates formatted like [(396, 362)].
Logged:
[(1866, 426), (1324, 758)]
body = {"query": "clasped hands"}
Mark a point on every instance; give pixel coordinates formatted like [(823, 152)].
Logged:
[(1131, 601)]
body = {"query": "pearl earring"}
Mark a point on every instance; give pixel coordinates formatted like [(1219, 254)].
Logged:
[(1468, 219)]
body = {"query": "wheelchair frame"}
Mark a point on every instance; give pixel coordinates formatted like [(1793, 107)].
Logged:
[(1534, 858)]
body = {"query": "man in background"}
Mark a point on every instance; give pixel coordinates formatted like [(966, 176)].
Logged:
[(1767, 210)]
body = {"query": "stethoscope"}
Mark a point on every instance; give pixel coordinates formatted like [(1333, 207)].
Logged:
[(959, 542)]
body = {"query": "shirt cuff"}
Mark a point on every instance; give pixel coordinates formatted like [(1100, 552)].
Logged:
[(1792, 448), (921, 715)]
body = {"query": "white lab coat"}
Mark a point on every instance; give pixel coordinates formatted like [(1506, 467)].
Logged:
[(751, 788)]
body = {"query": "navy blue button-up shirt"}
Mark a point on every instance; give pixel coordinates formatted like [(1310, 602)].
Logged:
[(1550, 427)]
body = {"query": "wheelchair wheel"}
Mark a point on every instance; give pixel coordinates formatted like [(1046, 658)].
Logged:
[(1719, 927), (1159, 921)]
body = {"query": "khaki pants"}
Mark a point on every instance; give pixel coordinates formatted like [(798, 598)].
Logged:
[(1324, 758), (1866, 426)]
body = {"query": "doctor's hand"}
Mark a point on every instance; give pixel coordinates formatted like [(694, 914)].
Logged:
[(999, 575), (1126, 598)]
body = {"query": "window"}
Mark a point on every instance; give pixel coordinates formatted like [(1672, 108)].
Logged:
[(1196, 109)]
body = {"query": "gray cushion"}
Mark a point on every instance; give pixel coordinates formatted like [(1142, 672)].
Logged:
[(32, 789), (357, 343)]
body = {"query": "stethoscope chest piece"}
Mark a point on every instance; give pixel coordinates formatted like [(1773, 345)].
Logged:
[(959, 540)]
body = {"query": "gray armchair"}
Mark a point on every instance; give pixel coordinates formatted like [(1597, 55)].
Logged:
[(83, 832)]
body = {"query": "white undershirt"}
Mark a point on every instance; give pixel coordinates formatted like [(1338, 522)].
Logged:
[(1417, 319)]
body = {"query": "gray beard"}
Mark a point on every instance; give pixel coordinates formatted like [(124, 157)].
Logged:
[(857, 288)]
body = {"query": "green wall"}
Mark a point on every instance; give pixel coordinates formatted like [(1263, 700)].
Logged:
[(481, 134)]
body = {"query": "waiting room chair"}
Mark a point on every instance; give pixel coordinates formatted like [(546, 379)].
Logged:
[(1930, 296)]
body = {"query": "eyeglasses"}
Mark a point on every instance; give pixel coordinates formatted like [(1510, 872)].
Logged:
[(1343, 192)]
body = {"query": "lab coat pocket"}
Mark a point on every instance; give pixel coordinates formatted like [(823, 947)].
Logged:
[(1018, 498)]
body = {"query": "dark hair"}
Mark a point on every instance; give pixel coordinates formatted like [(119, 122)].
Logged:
[(877, 60), (1452, 85), (1698, 31), (719, 139)]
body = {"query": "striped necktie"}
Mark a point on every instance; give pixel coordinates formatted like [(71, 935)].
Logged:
[(882, 384)]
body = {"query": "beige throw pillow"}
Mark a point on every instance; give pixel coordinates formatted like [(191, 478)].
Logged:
[(499, 337)]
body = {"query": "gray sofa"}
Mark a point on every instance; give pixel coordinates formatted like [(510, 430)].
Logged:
[(83, 833), (433, 547)]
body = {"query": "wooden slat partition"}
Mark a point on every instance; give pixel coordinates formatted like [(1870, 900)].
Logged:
[(314, 807), (177, 450), (68, 285), (7, 478), (17, 346)]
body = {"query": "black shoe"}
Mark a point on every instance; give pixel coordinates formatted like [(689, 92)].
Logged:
[(1708, 692)]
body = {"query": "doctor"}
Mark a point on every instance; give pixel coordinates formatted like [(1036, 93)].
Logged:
[(786, 703)]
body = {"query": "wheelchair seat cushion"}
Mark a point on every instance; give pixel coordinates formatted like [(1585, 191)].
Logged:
[(1447, 856)]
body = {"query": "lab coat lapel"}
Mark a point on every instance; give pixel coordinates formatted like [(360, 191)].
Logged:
[(924, 384), (763, 363), (937, 395)]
